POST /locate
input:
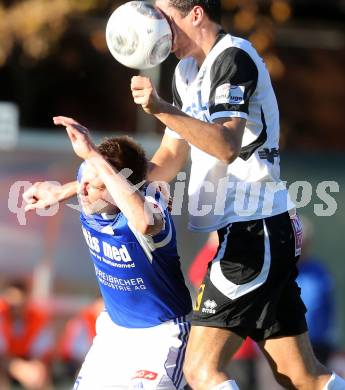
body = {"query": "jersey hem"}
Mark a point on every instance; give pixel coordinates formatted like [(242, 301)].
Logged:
[(222, 224), (229, 114), (180, 317)]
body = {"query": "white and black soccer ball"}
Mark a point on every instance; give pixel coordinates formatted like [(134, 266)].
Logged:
[(138, 35)]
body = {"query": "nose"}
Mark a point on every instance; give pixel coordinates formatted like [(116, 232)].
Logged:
[(83, 188)]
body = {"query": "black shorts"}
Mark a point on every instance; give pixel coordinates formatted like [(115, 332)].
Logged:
[(250, 286)]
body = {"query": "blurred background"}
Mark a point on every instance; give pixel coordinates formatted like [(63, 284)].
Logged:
[(54, 61)]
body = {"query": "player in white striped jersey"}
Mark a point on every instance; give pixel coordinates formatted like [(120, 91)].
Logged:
[(225, 112)]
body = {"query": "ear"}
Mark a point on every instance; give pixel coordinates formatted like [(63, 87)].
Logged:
[(197, 15)]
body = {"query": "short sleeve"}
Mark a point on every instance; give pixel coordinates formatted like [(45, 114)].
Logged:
[(158, 202), (172, 133), (234, 77), (150, 243)]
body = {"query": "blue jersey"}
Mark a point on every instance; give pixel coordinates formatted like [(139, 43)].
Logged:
[(317, 292), (139, 276)]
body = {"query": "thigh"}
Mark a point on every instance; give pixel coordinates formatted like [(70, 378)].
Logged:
[(106, 363), (159, 355), (211, 347)]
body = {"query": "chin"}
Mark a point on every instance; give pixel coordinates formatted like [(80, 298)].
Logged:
[(88, 211), (181, 55)]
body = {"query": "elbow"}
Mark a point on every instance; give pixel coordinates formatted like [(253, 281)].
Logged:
[(230, 147), (229, 156), (143, 227), (149, 228)]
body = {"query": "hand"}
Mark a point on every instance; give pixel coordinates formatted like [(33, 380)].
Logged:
[(32, 375), (79, 136), (42, 195), (145, 94)]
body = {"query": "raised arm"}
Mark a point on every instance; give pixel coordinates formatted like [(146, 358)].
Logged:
[(168, 160), (45, 194), (166, 163), (140, 213), (222, 139)]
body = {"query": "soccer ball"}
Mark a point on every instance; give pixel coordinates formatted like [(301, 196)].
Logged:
[(138, 35)]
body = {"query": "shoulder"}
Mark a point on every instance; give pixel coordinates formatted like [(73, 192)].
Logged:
[(234, 62)]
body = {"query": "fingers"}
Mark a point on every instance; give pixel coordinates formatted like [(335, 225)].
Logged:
[(64, 121), (142, 90), (37, 205), (75, 131), (140, 82), (72, 133), (30, 207), (70, 122), (29, 196), (138, 93)]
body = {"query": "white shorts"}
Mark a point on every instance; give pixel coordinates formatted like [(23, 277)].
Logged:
[(125, 358)]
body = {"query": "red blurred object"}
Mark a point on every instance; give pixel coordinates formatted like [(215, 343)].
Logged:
[(79, 332), (24, 339), (198, 268)]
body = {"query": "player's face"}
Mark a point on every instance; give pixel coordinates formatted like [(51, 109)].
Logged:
[(93, 196), (182, 28)]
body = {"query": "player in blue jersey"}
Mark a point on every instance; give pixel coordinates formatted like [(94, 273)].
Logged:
[(142, 334)]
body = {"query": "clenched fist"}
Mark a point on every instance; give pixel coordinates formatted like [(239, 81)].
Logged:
[(145, 94)]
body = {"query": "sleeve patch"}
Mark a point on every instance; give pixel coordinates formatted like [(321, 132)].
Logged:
[(229, 94), (222, 95), (237, 94)]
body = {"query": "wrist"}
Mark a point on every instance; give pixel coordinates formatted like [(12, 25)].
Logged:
[(67, 191), (162, 107), (93, 155)]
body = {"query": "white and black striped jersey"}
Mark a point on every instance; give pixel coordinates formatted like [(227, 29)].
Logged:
[(232, 82)]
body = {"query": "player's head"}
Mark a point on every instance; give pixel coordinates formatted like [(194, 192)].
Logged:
[(16, 294), (212, 8), (186, 18), (125, 155)]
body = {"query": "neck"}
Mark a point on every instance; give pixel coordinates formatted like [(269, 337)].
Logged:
[(205, 41)]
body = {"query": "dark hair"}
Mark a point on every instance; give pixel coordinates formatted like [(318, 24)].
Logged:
[(17, 284), (211, 7), (123, 152)]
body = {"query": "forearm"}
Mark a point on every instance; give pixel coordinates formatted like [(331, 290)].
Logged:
[(68, 190), (213, 138), (128, 199)]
